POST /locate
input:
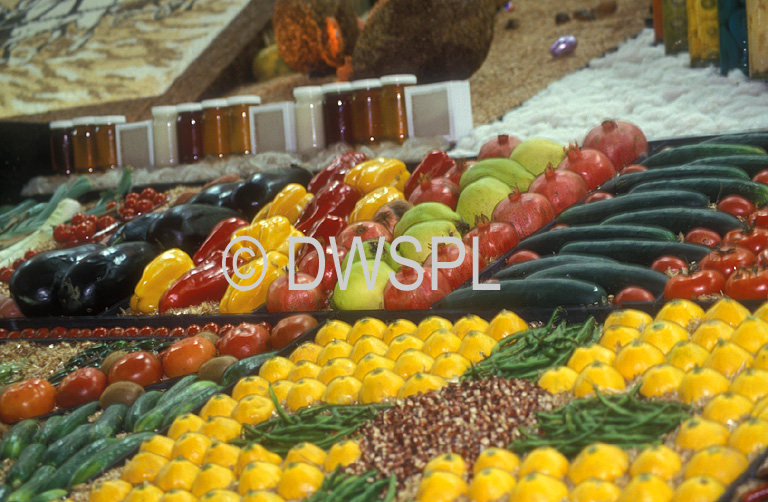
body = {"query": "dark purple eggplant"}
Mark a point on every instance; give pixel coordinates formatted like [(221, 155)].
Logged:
[(187, 226), (104, 278), (262, 187), (34, 286), (134, 230), (215, 195)]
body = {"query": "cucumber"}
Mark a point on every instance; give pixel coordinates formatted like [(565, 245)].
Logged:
[(73, 420), (34, 485), (64, 473), (25, 465), (517, 293), (637, 251), (110, 422), (179, 386), (5, 491), (714, 188), (18, 437), (64, 447), (612, 277), (551, 241), (597, 211), (751, 164), (622, 184), (244, 367), (49, 495), (140, 406), (192, 403), (681, 220), (687, 153), (759, 139), (154, 418), (526, 268), (43, 435), (108, 458)]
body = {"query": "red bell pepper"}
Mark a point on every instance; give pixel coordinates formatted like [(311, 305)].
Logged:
[(207, 282), (322, 230), (336, 198), (218, 239), (335, 170), (435, 163)]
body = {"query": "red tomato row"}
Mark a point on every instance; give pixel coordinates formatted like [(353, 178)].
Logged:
[(115, 332)]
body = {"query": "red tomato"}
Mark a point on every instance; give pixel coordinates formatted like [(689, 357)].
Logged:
[(761, 259), (755, 239), (26, 399), (761, 177), (726, 259), (186, 356), (245, 339), (700, 235), (595, 196), (141, 367), (289, 328), (633, 294), (522, 255), (669, 264), (690, 286), (736, 205), (759, 218), (633, 168), (748, 284), (81, 386)]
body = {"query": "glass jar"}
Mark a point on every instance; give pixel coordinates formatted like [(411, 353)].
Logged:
[(240, 123), (658, 26), (62, 156), (674, 18), (164, 135), (337, 112), (757, 27), (189, 132), (310, 129), (106, 141), (703, 33), (215, 128), (366, 111), (393, 117), (84, 144)]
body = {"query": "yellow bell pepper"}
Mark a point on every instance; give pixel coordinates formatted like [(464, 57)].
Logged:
[(290, 202), (236, 301), (263, 212), (272, 233), (158, 276), (368, 204), (381, 171)]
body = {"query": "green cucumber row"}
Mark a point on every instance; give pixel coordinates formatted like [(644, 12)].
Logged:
[(688, 153), (713, 187), (552, 240), (640, 252), (595, 212), (613, 277), (678, 220), (525, 268), (624, 182)]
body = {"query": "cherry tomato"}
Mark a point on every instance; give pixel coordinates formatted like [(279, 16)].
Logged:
[(111, 205), (28, 333), (726, 259), (755, 239), (43, 333), (246, 339), (81, 386), (105, 222), (186, 356), (212, 327), (131, 196), (131, 331), (5, 274), (77, 218), (595, 196), (148, 193), (522, 255), (748, 284), (160, 199), (736, 205), (705, 236), (161, 332), (177, 331), (289, 328), (141, 367), (26, 399), (633, 294), (633, 168), (193, 329), (99, 332), (85, 230), (146, 331), (668, 264), (144, 206), (761, 177), (117, 331), (690, 286), (59, 332), (759, 218), (62, 232)]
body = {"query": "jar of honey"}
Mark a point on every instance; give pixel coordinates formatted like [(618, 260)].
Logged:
[(337, 113), (366, 111), (215, 128), (84, 144), (106, 141), (164, 135), (393, 116), (189, 132), (310, 129), (240, 123), (62, 155)]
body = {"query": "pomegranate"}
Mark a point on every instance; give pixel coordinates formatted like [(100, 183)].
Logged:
[(593, 165), (621, 141), (391, 212), (282, 297), (493, 239), (562, 187), (527, 212), (449, 253), (500, 146), (365, 229), (454, 173), (423, 297), (310, 264), (439, 189)]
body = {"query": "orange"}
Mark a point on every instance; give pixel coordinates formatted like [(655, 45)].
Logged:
[(306, 453), (727, 408), (253, 385), (582, 356), (430, 324), (211, 477), (276, 368), (366, 326), (450, 365), (254, 452), (698, 433), (159, 444), (333, 329), (686, 355), (628, 317), (177, 473), (599, 460), (447, 462), (681, 311), (658, 460), (113, 490), (544, 460), (722, 463), (634, 359), (380, 385), (490, 484), (558, 379), (664, 335), (648, 488), (498, 458), (299, 480), (728, 310), (536, 487), (401, 343), (188, 422), (661, 380), (412, 361), (396, 328), (750, 437), (144, 466), (342, 454), (616, 336), (370, 363), (751, 334), (333, 349), (367, 344), (341, 366), (476, 346), (305, 392), (259, 476), (728, 358), (595, 489), (698, 489), (303, 369), (506, 323), (191, 446), (441, 486), (751, 383), (600, 376), (420, 383), (307, 351), (342, 390), (222, 454), (281, 388), (700, 384), (439, 342), (470, 322), (708, 333), (222, 428)]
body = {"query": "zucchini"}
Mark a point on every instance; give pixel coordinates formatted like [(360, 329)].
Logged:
[(25, 465), (526, 268), (18, 437), (714, 188), (517, 293), (34, 485), (43, 434), (759, 139), (73, 420), (140, 406), (597, 211), (110, 422), (244, 367), (612, 277), (63, 474), (64, 447), (622, 184), (681, 220), (751, 164), (154, 418), (688, 153), (637, 251), (552, 240), (108, 458)]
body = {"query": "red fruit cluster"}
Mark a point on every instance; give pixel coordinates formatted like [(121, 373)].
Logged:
[(136, 203), (115, 332), (7, 272), (82, 228)]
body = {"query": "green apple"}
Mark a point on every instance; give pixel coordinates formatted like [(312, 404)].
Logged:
[(536, 154)]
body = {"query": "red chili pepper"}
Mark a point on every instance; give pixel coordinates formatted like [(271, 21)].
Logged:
[(757, 494), (322, 230), (335, 170), (336, 198), (218, 239), (207, 282), (435, 163)]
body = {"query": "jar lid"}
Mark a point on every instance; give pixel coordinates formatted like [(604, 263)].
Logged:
[(109, 119), (366, 83), (401, 79), (244, 100), (189, 107), (87, 120), (163, 110), (308, 92), (60, 124), (214, 103), (336, 87)]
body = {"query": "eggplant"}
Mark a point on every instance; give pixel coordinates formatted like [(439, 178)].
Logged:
[(262, 187), (34, 286), (134, 230), (215, 195), (187, 226), (104, 278)]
